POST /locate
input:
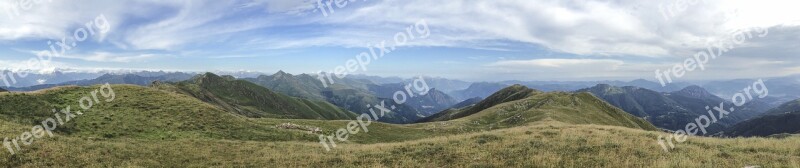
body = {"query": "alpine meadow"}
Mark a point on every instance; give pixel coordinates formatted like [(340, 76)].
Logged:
[(400, 83)]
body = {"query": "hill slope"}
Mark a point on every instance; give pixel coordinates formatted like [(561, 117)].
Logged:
[(248, 99), (135, 112), (518, 105), (480, 89), (783, 119), (670, 110), (350, 94), (147, 127)]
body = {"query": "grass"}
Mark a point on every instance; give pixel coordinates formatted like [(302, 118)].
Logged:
[(547, 144), (153, 128)]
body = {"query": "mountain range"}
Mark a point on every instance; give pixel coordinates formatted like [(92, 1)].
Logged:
[(132, 79), (248, 99), (668, 110), (673, 110), (784, 119)]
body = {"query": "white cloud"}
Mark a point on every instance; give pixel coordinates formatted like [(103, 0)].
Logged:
[(605, 34), (557, 63), (112, 57)]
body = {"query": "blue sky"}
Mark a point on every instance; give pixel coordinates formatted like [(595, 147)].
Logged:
[(471, 40)]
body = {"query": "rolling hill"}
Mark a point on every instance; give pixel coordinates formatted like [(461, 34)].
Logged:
[(518, 105), (248, 99), (135, 112), (150, 127)]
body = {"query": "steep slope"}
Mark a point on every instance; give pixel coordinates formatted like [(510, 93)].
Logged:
[(350, 94), (467, 103), (518, 105), (783, 119), (248, 99), (135, 112), (671, 110)]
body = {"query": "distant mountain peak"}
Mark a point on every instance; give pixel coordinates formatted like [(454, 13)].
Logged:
[(695, 91), (604, 86), (280, 73)]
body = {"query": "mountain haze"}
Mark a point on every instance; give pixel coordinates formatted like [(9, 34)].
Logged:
[(248, 99)]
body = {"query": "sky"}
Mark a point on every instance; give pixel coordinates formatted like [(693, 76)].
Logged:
[(487, 40)]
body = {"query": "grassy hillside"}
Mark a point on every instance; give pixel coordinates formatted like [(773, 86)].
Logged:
[(248, 99), (148, 127), (518, 105), (546, 144), (137, 112), (347, 93)]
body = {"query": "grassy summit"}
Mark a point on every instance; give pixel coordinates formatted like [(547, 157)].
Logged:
[(518, 105)]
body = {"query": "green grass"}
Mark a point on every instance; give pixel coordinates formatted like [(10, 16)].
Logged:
[(149, 127), (518, 105), (547, 144)]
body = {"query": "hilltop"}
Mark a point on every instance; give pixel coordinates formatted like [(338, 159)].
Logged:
[(518, 105)]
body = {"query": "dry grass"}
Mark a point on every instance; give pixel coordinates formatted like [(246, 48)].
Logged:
[(548, 144)]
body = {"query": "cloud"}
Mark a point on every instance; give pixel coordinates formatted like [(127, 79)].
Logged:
[(591, 28), (618, 37), (557, 63), (568, 69), (112, 57)]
